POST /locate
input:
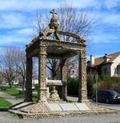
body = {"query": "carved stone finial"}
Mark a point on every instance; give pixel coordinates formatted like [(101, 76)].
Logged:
[(53, 22), (53, 13)]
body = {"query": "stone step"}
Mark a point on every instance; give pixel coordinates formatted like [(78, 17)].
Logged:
[(21, 105)]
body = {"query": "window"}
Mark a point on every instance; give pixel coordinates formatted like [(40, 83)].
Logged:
[(118, 70), (105, 71)]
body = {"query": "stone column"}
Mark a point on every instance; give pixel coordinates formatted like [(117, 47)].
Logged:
[(28, 83), (82, 77), (42, 96), (63, 71)]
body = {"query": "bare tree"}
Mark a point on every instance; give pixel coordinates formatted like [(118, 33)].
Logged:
[(13, 63), (70, 20), (53, 66), (8, 66), (20, 64)]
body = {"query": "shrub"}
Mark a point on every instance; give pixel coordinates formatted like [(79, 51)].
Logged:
[(72, 86), (90, 86), (36, 86), (107, 82)]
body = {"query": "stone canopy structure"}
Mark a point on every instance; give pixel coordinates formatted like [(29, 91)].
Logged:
[(50, 44)]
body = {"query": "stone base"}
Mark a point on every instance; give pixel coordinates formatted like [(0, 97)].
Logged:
[(39, 107), (45, 109)]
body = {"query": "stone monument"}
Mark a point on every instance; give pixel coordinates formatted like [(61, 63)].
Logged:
[(43, 48)]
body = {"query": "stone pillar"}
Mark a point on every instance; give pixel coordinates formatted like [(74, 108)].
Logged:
[(42, 96), (28, 83), (82, 77), (63, 73)]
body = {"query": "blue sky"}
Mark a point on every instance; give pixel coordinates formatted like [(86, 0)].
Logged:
[(18, 19)]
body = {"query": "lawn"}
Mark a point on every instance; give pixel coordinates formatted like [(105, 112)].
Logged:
[(4, 103), (13, 91), (34, 97)]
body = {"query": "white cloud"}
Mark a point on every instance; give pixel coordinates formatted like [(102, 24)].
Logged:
[(15, 19), (41, 4), (107, 18), (11, 39), (27, 4), (113, 19), (85, 3), (104, 38), (12, 20), (26, 31), (109, 4), (6, 4)]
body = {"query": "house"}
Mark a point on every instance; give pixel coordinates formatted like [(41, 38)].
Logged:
[(108, 65)]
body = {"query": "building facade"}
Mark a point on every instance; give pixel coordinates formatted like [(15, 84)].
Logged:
[(107, 65)]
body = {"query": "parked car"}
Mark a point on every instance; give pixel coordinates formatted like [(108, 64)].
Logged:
[(107, 96)]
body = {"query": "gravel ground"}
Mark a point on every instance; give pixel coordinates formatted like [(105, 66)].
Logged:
[(6, 117)]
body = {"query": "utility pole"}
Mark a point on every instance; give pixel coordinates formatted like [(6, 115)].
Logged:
[(96, 79)]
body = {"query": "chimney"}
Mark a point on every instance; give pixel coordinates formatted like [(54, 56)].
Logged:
[(92, 60), (106, 58)]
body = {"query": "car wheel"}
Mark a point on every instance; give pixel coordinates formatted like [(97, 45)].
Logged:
[(107, 101)]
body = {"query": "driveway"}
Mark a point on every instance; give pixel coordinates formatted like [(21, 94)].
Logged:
[(111, 106)]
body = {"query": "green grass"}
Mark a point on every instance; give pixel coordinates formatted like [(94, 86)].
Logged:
[(12, 91), (34, 97), (4, 103)]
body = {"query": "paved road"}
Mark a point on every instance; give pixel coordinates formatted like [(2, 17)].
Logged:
[(6, 117), (111, 106)]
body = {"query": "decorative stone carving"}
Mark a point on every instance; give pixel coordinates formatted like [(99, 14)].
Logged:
[(54, 95), (53, 22), (42, 73)]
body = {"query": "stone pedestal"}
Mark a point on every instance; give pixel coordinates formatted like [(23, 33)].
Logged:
[(54, 96)]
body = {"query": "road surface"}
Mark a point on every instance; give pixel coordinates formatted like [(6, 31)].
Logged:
[(6, 117)]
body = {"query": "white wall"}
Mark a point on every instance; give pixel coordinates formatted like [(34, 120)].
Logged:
[(114, 66)]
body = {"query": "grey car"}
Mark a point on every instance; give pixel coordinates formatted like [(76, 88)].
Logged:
[(107, 96)]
